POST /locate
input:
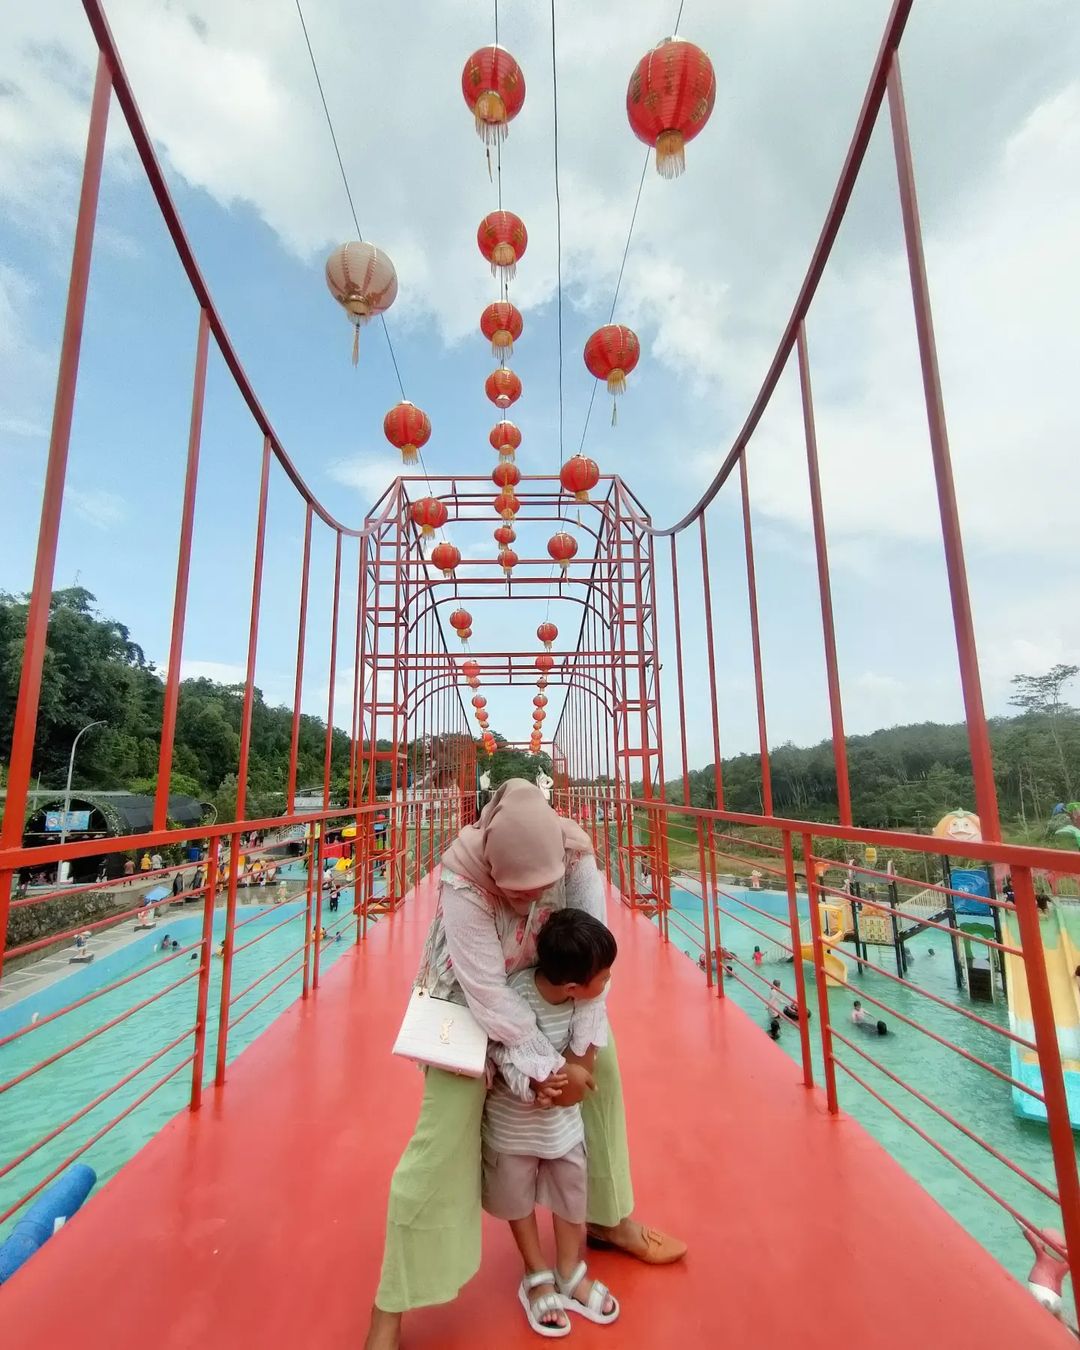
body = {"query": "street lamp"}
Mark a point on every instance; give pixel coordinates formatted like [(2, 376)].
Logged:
[(62, 871)]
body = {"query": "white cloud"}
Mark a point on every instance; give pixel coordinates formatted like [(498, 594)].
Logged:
[(103, 510), (370, 475), (224, 672), (22, 426)]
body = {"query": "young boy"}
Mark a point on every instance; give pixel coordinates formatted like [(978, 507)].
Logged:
[(534, 1153)]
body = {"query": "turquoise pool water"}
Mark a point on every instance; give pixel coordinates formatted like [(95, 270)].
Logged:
[(982, 1102), (42, 1102), (970, 1094)]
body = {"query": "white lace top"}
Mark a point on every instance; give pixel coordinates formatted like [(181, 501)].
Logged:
[(476, 941)]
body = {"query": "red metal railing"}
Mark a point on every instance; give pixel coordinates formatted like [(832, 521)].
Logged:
[(412, 754)]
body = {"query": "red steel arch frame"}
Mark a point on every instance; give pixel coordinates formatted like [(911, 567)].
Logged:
[(606, 745)]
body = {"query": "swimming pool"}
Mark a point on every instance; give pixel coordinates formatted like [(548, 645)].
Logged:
[(42, 1102), (982, 1102)]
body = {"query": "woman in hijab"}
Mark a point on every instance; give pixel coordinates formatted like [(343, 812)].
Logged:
[(500, 880)]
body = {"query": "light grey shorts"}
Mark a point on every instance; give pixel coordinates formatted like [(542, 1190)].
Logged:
[(514, 1184)]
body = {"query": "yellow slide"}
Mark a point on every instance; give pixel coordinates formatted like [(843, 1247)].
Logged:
[(833, 918), (1062, 957)]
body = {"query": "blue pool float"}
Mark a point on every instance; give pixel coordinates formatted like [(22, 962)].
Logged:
[(52, 1208)]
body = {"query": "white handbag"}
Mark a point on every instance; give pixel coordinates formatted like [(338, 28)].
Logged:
[(438, 1032)]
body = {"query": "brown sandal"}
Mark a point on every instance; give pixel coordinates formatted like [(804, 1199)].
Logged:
[(656, 1248)]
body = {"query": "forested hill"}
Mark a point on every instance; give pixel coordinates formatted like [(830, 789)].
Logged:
[(911, 775), (94, 671)]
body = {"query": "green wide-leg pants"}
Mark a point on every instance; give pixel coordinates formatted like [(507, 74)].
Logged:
[(433, 1218)]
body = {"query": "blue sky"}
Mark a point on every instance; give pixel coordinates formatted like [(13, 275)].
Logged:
[(714, 265)]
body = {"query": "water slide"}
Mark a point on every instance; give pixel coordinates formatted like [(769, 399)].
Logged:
[(833, 919), (1061, 945)]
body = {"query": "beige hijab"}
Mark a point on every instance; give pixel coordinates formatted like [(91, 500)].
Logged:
[(519, 843)]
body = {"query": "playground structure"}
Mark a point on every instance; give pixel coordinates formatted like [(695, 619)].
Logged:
[(201, 1177)]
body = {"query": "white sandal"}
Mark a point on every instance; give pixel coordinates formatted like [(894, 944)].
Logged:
[(593, 1308), (546, 1303)]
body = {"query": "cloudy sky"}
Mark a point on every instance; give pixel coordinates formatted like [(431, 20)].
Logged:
[(714, 264)]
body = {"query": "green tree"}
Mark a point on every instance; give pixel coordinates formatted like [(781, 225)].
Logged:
[(1042, 695)]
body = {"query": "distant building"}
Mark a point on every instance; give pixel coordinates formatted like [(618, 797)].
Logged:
[(101, 815)]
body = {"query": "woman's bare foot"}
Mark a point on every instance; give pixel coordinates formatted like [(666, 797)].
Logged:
[(384, 1333), (637, 1239)]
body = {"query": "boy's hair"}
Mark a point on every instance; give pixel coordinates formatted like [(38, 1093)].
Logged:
[(573, 948)]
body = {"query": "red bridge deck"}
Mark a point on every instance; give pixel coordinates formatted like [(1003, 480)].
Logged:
[(259, 1221)]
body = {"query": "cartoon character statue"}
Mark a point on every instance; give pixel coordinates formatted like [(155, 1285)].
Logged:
[(544, 783), (962, 827)]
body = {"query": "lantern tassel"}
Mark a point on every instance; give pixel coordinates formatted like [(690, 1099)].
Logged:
[(670, 154), (487, 152), (409, 454), (356, 344), (614, 413)]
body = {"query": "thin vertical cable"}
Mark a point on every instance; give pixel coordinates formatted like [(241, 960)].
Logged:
[(558, 227)]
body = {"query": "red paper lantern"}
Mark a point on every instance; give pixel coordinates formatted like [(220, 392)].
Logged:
[(407, 428), (502, 239), (505, 438), (547, 633), (508, 560), (430, 514), (469, 668), (541, 683), (501, 323), (461, 618), (506, 476), (562, 547), (544, 662), (611, 354), (507, 505), (494, 89), (669, 99), (464, 634), (482, 718), (446, 558), (479, 701), (539, 701), (503, 387), (505, 535), (578, 475), (473, 682), (539, 715)]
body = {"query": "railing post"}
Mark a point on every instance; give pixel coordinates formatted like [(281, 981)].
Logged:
[(321, 848), (52, 497), (183, 568), (796, 952), (821, 548), (819, 975), (710, 946), (206, 956), (716, 926), (1053, 1080), (227, 959), (982, 767), (309, 851)]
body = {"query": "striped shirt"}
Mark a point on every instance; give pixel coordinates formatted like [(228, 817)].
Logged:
[(513, 1125)]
